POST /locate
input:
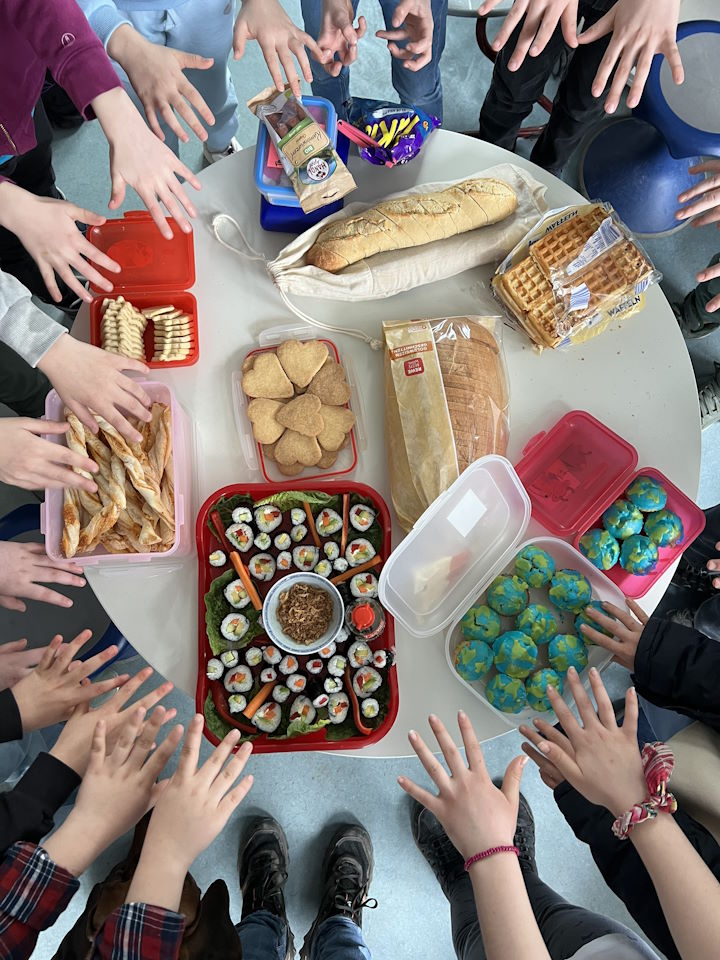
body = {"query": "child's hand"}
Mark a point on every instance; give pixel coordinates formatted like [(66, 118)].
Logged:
[(549, 773), (475, 814), (279, 39), (48, 231), (338, 38), (73, 745), (412, 21), (54, 688), (540, 23), (626, 631), (640, 29), (16, 662), (157, 77), (24, 567), (118, 788), (87, 379), (601, 760), (32, 463)]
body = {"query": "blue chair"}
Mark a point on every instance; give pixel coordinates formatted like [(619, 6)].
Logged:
[(640, 163), (26, 519)]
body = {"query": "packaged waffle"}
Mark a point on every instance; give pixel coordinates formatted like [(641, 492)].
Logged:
[(317, 174), (446, 404), (576, 271)]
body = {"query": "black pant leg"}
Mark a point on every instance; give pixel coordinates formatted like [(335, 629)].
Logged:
[(466, 935)]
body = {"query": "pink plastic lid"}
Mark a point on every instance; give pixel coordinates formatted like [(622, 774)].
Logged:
[(572, 472)]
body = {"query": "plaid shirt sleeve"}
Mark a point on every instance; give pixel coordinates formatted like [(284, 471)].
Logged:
[(34, 891), (139, 931)]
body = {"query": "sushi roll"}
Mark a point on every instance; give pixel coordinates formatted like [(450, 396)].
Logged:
[(297, 683), (236, 594), (324, 568), (338, 706), (320, 701), (241, 536), (380, 659), (239, 680), (327, 651), (268, 519), (288, 665), (272, 655), (332, 685), (282, 541), (242, 515), (336, 666), (262, 566), (268, 717), (315, 666), (359, 551), (361, 517), (366, 681), (306, 557), (268, 675), (237, 702), (253, 656), (359, 654), (234, 626), (230, 659), (342, 635), (331, 550), (284, 560), (214, 669), (298, 533), (340, 565), (280, 693), (262, 541), (217, 559), (302, 709), (364, 585), (328, 522), (370, 708), (297, 516)]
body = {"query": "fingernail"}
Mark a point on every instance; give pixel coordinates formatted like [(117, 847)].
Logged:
[(523, 761), (462, 715), (412, 735), (593, 672), (572, 672), (432, 718), (67, 602)]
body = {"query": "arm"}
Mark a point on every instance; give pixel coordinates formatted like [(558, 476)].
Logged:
[(23, 326), (27, 812), (104, 17)]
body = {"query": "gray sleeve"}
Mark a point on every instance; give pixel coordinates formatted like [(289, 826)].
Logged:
[(23, 326)]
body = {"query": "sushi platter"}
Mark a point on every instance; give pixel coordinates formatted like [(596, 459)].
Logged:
[(294, 647)]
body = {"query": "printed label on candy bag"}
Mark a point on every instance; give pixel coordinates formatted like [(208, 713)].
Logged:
[(606, 236)]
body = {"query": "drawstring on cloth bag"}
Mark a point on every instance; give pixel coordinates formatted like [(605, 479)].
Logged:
[(249, 253)]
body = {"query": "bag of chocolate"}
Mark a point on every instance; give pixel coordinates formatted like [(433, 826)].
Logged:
[(317, 174)]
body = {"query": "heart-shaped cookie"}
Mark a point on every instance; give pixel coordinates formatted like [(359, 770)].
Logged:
[(327, 459), (337, 423), (301, 361), (266, 378), (262, 414), (302, 415), (293, 447), (330, 385), (291, 469)]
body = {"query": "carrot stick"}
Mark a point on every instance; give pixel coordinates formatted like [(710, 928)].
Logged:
[(311, 523), (357, 716), (346, 510), (351, 571), (258, 700), (242, 572), (219, 530)]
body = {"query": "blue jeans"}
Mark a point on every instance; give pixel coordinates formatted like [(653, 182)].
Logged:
[(422, 89), (204, 27), (264, 937)]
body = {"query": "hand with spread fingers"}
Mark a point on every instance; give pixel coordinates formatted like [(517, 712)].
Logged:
[(339, 36), (703, 203), (30, 462), (73, 744), (640, 30), (549, 773), (601, 760), (16, 661), (25, 567), (412, 26), (540, 19), (625, 627)]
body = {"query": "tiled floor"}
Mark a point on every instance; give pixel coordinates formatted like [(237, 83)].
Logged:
[(310, 792)]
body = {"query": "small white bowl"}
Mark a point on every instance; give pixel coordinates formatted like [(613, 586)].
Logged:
[(272, 624)]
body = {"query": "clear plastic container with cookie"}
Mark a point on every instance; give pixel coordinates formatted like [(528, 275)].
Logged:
[(577, 271), (299, 416)]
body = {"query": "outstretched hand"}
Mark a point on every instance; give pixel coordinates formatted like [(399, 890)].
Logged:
[(625, 627), (339, 36), (540, 19), (412, 25), (25, 568)]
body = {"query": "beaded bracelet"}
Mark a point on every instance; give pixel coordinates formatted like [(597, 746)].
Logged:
[(490, 852)]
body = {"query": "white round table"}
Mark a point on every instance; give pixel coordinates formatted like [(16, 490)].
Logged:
[(636, 377)]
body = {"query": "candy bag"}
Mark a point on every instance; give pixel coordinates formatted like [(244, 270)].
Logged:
[(400, 130)]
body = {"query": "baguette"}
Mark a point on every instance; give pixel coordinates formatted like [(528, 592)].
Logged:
[(411, 221)]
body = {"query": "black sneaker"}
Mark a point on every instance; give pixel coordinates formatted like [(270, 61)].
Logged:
[(346, 874), (524, 838), (437, 848), (262, 868)]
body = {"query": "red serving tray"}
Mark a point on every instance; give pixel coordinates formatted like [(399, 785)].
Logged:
[(207, 542)]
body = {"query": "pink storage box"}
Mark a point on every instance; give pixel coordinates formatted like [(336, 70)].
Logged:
[(577, 469), (51, 524)]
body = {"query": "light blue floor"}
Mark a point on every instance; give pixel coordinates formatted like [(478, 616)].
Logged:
[(311, 792)]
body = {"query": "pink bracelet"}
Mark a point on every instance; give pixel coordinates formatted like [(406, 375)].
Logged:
[(490, 852)]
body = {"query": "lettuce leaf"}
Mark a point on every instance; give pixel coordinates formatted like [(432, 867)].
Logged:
[(214, 721), (225, 507), (217, 608), (289, 499), (299, 727), (374, 533)]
